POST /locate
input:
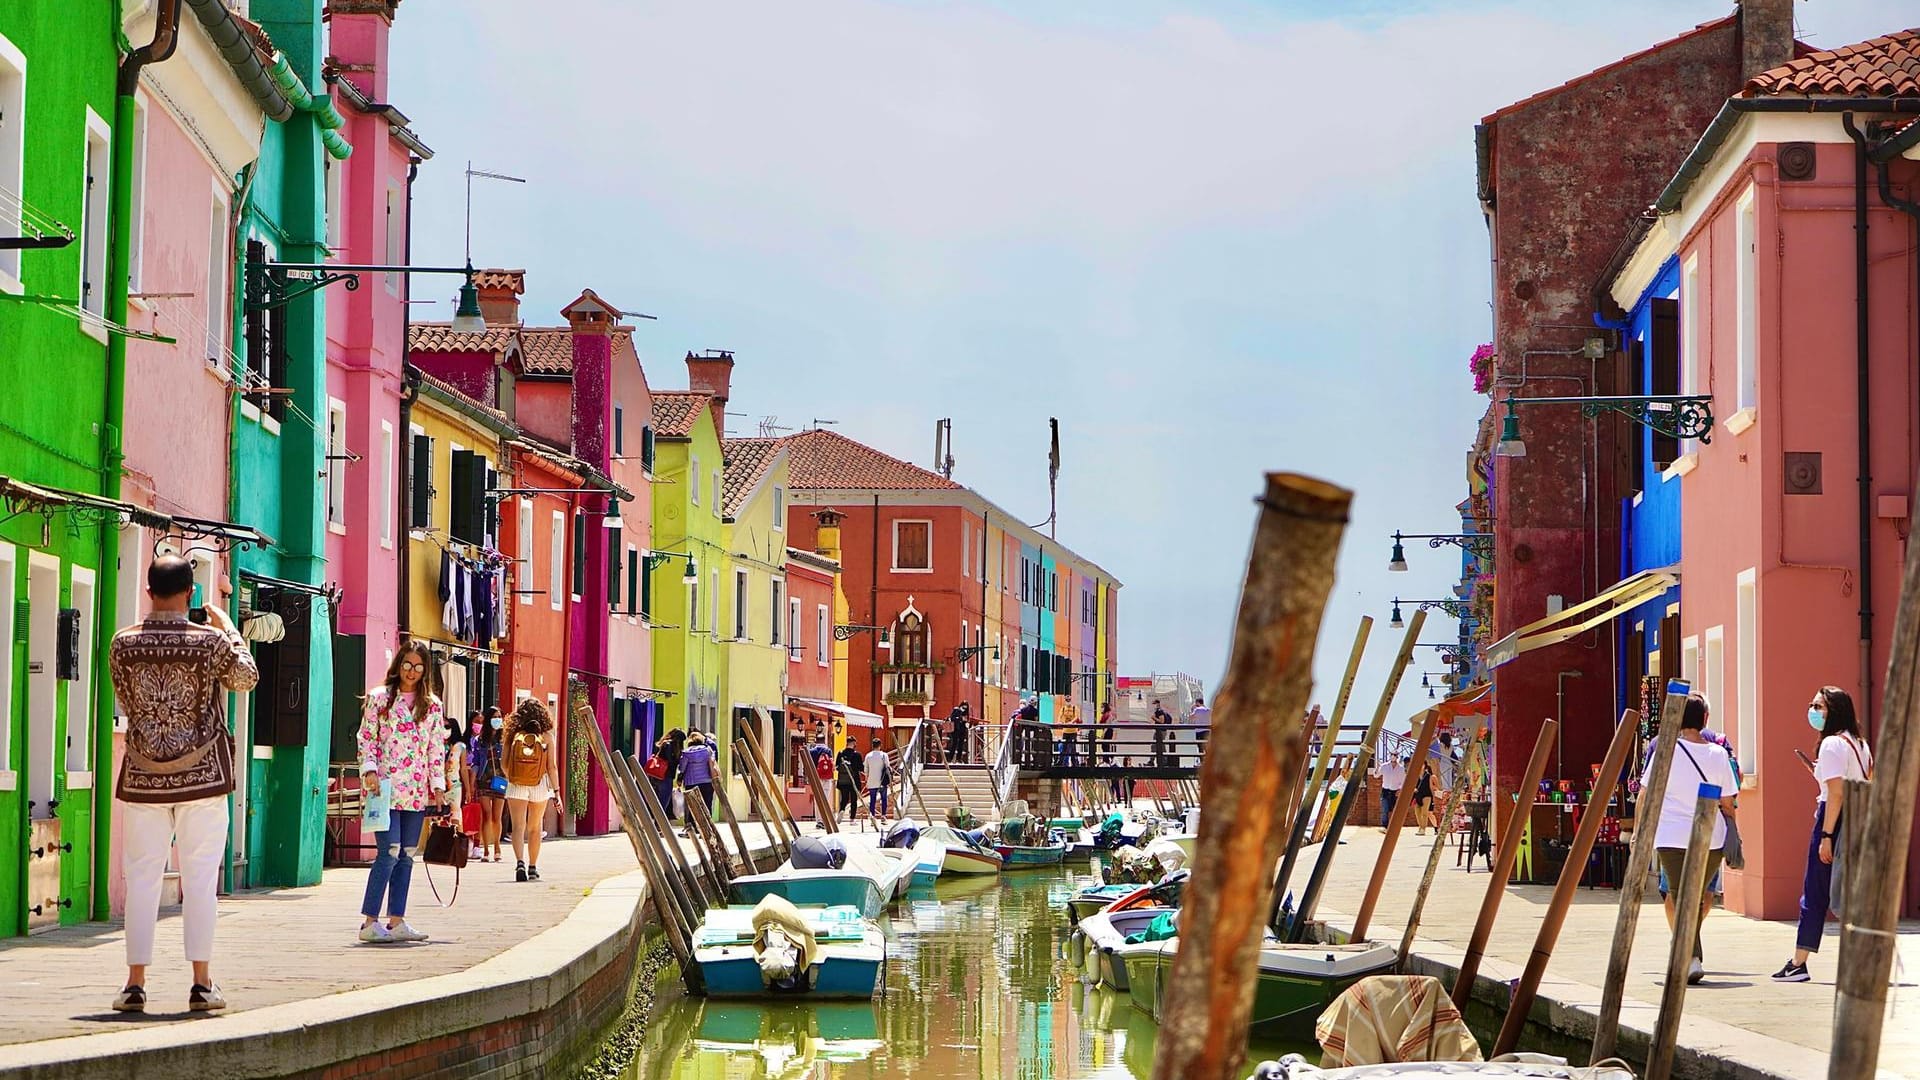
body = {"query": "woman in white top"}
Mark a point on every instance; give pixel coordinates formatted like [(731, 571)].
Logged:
[(1697, 763), (1843, 756)]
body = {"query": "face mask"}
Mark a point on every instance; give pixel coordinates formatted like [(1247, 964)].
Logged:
[(1817, 718), (497, 723)]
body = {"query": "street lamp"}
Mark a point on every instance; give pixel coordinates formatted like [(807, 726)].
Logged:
[(1510, 445), (1479, 544), (1679, 416), (690, 576), (467, 318), (1398, 563), (1454, 609)]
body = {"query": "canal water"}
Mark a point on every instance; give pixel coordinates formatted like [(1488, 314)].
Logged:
[(976, 987)]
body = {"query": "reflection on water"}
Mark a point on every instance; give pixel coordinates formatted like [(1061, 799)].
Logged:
[(976, 987)]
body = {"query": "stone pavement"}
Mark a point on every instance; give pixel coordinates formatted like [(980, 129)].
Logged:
[(1737, 1013), (277, 946)]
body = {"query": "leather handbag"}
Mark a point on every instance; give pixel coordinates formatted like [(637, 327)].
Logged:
[(446, 846), (471, 818)]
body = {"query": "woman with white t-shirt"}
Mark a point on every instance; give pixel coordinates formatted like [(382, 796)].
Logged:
[(1696, 763), (1843, 756)]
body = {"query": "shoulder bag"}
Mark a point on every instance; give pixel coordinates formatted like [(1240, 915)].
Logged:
[(446, 846), (1732, 852)]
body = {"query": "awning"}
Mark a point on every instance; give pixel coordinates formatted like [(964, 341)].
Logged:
[(24, 496), (854, 717), (242, 536), (1628, 593)]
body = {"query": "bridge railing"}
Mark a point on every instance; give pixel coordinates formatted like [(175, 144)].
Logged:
[(1088, 748)]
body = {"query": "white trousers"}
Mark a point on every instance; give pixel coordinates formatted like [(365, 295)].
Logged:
[(199, 829)]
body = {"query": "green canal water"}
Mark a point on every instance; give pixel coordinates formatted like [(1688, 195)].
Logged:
[(976, 987)]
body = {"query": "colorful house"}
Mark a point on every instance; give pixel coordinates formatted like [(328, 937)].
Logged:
[(758, 625), (1777, 281), (689, 662)]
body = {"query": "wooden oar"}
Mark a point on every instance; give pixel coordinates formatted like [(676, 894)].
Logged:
[(1569, 883), (1688, 892), (1502, 864), (1302, 819), (1639, 860), (1877, 824), (1401, 808), (1258, 745)]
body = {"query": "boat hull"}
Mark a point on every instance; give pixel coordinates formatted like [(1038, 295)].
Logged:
[(967, 861), (1024, 858), (1295, 986), (1092, 901), (1103, 946), (845, 972)]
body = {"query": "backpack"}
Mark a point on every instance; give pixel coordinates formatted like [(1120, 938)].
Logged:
[(823, 766), (527, 759), (656, 767)]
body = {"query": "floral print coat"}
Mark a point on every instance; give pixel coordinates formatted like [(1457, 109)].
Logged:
[(409, 753)]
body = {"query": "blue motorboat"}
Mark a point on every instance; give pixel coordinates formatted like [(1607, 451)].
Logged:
[(778, 949), (826, 872)]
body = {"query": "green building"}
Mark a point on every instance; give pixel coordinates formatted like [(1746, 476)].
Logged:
[(689, 656)]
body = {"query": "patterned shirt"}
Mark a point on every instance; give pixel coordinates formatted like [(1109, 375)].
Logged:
[(407, 752), (167, 673)]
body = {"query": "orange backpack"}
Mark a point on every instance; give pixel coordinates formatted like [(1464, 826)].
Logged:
[(527, 759)]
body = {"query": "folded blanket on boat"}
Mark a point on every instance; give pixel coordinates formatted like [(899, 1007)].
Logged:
[(1164, 926), (783, 943), (1391, 1018)]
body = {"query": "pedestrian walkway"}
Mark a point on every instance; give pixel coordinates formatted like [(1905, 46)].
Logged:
[(280, 946), (1737, 1013)]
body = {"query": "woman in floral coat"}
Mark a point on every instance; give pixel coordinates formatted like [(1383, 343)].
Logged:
[(403, 744)]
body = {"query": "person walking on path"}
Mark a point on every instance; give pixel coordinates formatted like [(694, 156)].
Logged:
[(957, 734), (1393, 776), (1697, 762), (1202, 717), (664, 766), (697, 764), (402, 744), (170, 673), (878, 765), (533, 780), (1423, 800), (488, 768), (1844, 756), (847, 766), (1161, 718), (455, 764)]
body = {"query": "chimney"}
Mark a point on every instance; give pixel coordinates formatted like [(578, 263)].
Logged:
[(500, 292), (1766, 36), (357, 36), (711, 373), (591, 321), (826, 541)]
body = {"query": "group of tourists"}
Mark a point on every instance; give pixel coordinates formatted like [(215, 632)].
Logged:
[(1430, 787)]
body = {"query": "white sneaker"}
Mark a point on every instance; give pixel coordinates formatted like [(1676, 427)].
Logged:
[(405, 932), (375, 934), (1695, 972)]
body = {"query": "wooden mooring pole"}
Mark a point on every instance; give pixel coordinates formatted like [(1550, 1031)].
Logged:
[(1433, 865), (1303, 816), (1257, 750), (733, 826), (1689, 891), (1569, 883), (1401, 808), (1502, 865), (1606, 1032)]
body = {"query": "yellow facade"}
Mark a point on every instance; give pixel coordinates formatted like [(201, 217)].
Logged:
[(755, 613)]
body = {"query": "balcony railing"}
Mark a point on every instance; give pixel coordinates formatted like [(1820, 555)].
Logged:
[(907, 685)]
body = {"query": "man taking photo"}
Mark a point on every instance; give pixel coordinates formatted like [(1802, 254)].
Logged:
[(171, 673)]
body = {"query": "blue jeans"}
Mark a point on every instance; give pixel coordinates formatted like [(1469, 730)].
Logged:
[(877, 797), (392, 871), (1816, 891), (1388, 796)]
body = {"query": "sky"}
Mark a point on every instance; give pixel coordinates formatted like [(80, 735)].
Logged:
[(1213, 239)]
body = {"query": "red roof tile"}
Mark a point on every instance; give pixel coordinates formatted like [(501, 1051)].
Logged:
[(514, 280), (1887, 66), (441, 338), (827, 459), (674, 412), (546, 350), (747, 461), (449, 392)]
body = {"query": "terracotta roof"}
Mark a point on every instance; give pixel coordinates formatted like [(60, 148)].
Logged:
[(515, 280), (1703, 28), (1887, 66), (827, 459), (747, 461), (441, 338), (447, 392), (546, 350), (675, 411)]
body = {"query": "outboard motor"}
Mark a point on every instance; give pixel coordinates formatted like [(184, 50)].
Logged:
[(819, 853), (902, 834)]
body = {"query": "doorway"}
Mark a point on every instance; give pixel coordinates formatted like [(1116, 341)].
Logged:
[(43, 634)]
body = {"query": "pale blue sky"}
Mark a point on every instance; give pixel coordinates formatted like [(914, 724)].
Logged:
[(1212, 238)]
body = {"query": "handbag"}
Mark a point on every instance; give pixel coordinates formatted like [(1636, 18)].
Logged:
[(679, 804), (445, 846), (471, 818)]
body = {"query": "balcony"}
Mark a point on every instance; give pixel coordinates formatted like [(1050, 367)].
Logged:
[(907, 684)]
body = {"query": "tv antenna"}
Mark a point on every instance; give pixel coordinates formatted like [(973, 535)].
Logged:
[(770, 427), (485, 175), (943, 447), (816, 424)]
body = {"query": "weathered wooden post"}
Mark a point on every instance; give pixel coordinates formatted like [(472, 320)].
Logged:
[(1257, 749), (669, 844), (660, 886), (1569, 883), (822, 810), (733, 826), (1502, 865), (1688, 892), (760, 799), (1426, 879), (1633, 887), (1876, 837), (763, 761), (1401, 809), (1302, 818)]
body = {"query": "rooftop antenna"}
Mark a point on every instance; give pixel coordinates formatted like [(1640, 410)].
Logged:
[(943, 447), (770, 427), (485, 175), (1053, 477), (816, 423)]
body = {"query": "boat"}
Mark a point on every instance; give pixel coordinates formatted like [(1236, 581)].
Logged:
[(1508, 1067), (1183, 841), (1026, 857), (1094, 898), (1296, 983), (963, 854), (1099, 945), (788, 1034), (868, 880), (834, 952), (928, 854)]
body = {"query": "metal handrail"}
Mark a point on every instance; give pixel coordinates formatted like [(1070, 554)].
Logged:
[(1003, 772), (910, 768)]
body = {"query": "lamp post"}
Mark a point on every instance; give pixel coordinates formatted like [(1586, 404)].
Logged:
[(1479, 544), (1453, 609), (1680, 416)]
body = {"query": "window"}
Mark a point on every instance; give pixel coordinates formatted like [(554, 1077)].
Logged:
[(524, 556), (467, 486), (633, 582), (579, 554), (693, 600), (965, 666), (219, 255), (396, 236), (420, 487), (556, 558), (645, 574), (777, 611), (822, 627), (913, 547), (646, 448), (96, 184), (336, 465), (136, 206), (715, 504), (336, 206), (13, 157), (619, 431), (613, 569), (713, 601), (1690, 660), (796, 644), (966, 550), (1747, 300), (740, 605), (779, 508), (386, 483), (1746, 653), (693, 480), (1714, 673)]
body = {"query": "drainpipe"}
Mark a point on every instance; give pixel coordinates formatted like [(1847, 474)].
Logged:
[(1860, 316), (237, 50), (409, 393), (166, 36)]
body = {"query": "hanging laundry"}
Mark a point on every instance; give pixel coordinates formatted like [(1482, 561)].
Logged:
[(449, 614), (483, 609), (462, 625)]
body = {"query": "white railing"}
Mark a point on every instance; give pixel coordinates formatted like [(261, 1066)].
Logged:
[(909, 767), (1003, 771)]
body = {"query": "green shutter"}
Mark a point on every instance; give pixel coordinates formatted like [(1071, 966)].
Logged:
[(460, 522), (422, 493), (646, 593), (613, 569), (633, 581), (579, 555)]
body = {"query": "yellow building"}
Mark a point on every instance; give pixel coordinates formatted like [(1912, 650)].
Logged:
[(757, 627)]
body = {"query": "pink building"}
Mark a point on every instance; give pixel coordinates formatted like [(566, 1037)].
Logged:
[(367, 222), (1791, 546)]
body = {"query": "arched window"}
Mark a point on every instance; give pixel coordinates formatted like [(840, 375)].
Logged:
[(910, 641)]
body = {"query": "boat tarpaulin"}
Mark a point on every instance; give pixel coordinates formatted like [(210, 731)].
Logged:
[(1385, 1019)]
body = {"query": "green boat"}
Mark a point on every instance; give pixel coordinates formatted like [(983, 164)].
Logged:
[(1297, 982), (1024, 857)]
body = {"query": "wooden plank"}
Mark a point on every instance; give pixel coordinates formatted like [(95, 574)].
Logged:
[(1569, 883), (1502, 865), (761, 799), (1689, 892), (1257, 745), (1639, 861), (822, 808), (1401, 808), (776, 787)]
